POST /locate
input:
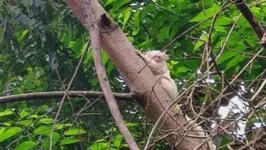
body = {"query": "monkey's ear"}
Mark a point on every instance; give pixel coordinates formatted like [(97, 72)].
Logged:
[(164, 55)]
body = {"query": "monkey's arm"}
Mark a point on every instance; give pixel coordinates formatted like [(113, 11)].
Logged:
[(142, 56)]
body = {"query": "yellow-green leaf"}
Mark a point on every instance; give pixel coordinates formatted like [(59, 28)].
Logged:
[(74, 131), (25, 145), (9, 133)]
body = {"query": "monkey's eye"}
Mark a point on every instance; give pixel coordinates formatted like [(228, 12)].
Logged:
[(157, 59)]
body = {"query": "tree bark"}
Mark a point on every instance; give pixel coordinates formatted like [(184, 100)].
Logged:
[(154, 100)]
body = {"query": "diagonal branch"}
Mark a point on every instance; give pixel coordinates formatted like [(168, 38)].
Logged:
[(112, 104), (243, 8)]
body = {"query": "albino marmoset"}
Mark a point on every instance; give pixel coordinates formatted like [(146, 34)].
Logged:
[(156, 61)]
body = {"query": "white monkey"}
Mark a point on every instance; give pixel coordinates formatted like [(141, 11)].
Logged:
[(156, 61)]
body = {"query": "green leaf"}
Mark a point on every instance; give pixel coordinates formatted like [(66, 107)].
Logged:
[(7, 124), (9, 133), (2, 129), (137, 23), (99, 146), (65, 38), (182, 70), (26, 123), (29, 86), (25, 145), (163, 33), (46, 120), (56, 137), (234, 62), (222, 21), (118, 140), (62, 126), (23, 114), (66, 141), (105, 58), (20, 35), (46, 140), (201, 41), (76, 46), (42, 130), (108, 2), (206, 14), (33, 117), (226, 55), (129, 124), (6, 113), (120, 3), (74, 131), (126, 17)]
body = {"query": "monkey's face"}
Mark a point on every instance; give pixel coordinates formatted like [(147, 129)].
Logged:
[(158, 59), (157, 56)]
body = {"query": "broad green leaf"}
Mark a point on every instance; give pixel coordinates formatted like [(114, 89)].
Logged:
[(76, 46), (42, 130), (221, 21), (65, 38), (175, 27), (126, 17), (105, 58), (46, 120), (6, 113), (56, 137), (118, 140), (23, 114), (163, 34), (33, 117), (182, 70), (99, 146), (7, 124), (226, 55), (2, 129), (26, 122), (234, 62), (46, 140), (206, 14), (66, 141), (120, 3), (74, 131), (201, 41), (9, 133), (129, 124), (108, 2), (29, 85), (137, 22), (20, 35), (62, 126), (26, 145)]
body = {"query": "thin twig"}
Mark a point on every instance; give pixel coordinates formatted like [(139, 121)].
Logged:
[(111, 102)]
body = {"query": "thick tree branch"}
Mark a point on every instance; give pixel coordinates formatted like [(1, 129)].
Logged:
[(60, 94)]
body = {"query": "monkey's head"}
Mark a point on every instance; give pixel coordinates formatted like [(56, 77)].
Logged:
[(157, 56)]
